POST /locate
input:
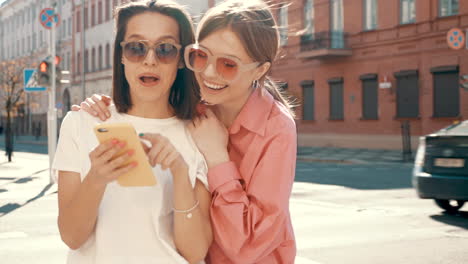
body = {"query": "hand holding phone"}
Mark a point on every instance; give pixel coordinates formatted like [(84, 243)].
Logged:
[(141, 175)]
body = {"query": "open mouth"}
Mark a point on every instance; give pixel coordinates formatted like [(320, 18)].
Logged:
[(148, 79), (214, 86)]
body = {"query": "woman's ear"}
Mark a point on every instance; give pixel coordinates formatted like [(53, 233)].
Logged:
[(262, 70)]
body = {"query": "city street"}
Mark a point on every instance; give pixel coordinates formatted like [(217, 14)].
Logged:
[(343, 212)]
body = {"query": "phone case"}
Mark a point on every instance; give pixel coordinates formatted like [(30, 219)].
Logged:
[(141, 175)]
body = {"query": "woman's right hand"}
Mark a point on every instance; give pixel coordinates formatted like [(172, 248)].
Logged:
[(105, 166), (96, 105)]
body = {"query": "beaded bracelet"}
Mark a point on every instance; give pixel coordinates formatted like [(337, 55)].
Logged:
[(189, 211)]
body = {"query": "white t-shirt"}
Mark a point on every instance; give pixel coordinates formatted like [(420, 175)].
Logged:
[(134, 224)]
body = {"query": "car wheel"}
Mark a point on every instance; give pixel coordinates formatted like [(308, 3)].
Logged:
[(450, 206)]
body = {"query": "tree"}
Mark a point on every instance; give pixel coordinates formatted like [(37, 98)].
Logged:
[(11, 95)]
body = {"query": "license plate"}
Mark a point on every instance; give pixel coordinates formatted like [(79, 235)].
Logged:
[(449, 163)]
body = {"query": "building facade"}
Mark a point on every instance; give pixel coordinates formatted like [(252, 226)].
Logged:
[(360, 69), (84, 42), (22, 36)]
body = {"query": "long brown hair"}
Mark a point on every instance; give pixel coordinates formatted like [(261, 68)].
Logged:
[(184, 94), (255, 26)]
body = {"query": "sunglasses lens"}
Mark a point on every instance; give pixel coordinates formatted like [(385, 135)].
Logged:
[(166, 52), (197, 59), (227, 68), (134, 51)]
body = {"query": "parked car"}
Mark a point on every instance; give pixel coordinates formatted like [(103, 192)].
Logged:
[(441, 167)]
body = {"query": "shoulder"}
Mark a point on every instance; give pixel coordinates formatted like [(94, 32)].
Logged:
[(280, 123)]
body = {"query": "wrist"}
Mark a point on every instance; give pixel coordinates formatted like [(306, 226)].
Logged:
[(93, 183)]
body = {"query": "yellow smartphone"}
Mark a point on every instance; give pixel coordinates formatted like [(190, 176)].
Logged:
[(141, 175)]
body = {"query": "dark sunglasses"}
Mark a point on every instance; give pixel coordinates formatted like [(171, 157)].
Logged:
[(136, 51)]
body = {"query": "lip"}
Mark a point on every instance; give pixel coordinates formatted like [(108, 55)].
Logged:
[(213, 91), (148, 74)]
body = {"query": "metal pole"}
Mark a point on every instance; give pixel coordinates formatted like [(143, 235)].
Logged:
[(52, 113), (83, 48)]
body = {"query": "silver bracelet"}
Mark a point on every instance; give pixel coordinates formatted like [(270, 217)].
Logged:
[(189, 211)]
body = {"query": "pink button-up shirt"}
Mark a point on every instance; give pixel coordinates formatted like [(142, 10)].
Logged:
[(250, 206)]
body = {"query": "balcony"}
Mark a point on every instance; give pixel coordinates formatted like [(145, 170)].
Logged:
[(322, 45)]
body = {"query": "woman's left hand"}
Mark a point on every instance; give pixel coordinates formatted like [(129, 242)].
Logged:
[(164, 153), (211, 137)]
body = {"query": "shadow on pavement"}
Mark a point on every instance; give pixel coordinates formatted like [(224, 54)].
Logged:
[(460, 219), (356, 176), (8, 208)]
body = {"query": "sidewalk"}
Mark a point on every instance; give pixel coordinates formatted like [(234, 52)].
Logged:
[(28, 214), (343, 155)]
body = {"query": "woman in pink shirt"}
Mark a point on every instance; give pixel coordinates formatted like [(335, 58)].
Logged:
[(246, 132)]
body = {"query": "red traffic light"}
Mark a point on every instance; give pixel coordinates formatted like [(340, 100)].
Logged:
[(57, 60), (43, 67)]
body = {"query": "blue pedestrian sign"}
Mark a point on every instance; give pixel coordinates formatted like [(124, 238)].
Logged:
[(47, 17), (30, 81)]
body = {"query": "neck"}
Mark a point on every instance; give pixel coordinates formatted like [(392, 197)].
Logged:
[(151, 109), (228, 112)]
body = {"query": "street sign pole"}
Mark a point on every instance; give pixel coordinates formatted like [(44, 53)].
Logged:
[(52, 112)]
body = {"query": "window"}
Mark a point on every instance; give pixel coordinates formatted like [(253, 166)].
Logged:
[(100, 57), (309, 15), (446, 91), (85, 18), (370, 14), (78, 21), (109, 9), (407, 11), (407, 92), (99, 12), (108, 56), (336, 99), (93, 15), (93, 60), (370, 98), (283, 23), (69, 27), (308, 100), (448, 7), (78, 63), (337, 39), (64, 28), (86, 61)]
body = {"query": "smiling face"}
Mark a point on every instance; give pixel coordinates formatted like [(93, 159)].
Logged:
[(215, 89), (150, 80)]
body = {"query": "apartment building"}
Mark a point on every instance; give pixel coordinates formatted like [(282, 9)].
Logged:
[(361, 68)]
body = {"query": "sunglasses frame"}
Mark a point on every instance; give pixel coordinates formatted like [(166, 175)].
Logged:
[(149, 47), (212, 59)]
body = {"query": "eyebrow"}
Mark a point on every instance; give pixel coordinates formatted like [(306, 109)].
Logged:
[(140, 37)]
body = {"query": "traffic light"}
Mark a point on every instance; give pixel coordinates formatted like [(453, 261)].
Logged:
[(464, 81), (44, 73)]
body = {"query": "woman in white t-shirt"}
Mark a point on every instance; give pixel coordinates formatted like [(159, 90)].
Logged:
[(103, 222)]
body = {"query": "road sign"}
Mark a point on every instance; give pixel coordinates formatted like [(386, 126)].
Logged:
[(455, 38), (30, 81), (47, 17)]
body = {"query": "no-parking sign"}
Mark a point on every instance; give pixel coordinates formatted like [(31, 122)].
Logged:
[(456, 38), (48, 16)]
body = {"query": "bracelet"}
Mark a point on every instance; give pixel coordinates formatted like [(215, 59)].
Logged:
[(188, 212)]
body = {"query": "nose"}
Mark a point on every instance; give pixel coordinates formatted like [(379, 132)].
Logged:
[(150, 58), (210, 71)]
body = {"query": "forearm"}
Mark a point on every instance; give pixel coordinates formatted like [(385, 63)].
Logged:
[(77, 219), (193, 247)]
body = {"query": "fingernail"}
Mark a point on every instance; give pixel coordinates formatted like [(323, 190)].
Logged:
[(131, 152), (141, 134), (108, 115), (115, 141), (134, 164), (122, 144), (95, 113)]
